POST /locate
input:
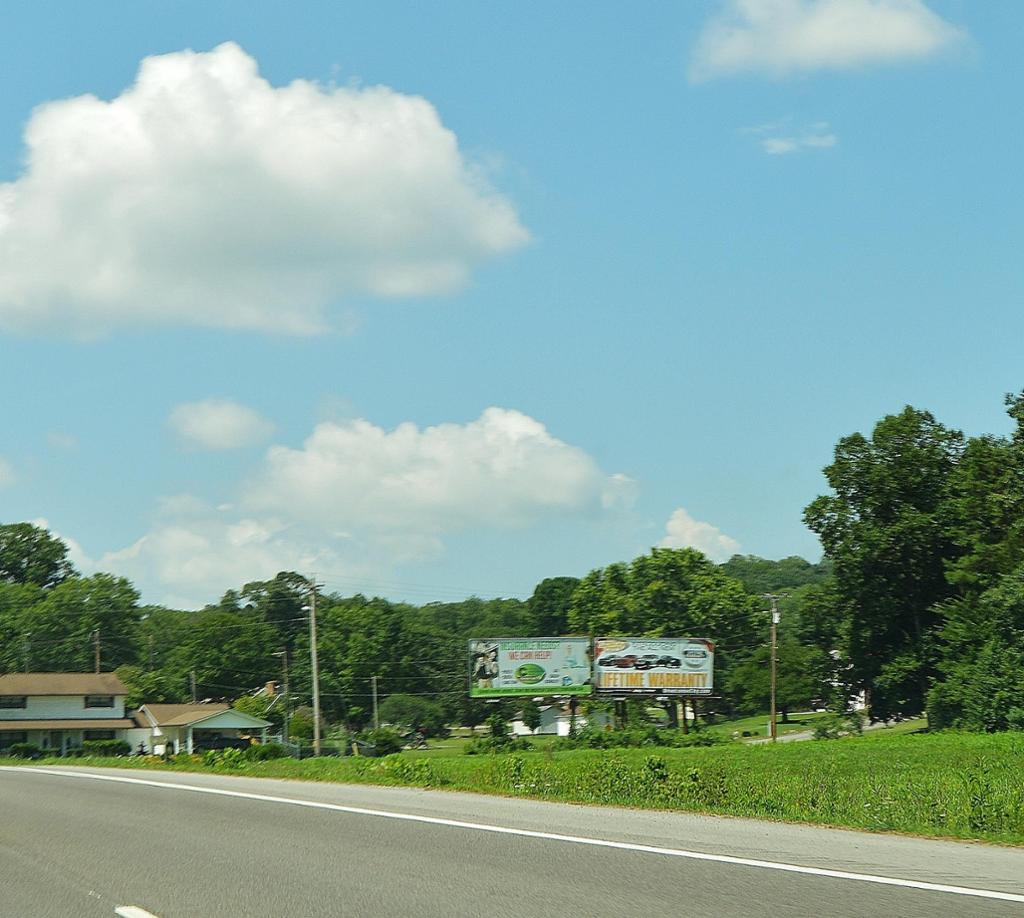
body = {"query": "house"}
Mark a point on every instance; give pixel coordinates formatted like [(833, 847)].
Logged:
[(557, 721), (173, 728), (59, 711)]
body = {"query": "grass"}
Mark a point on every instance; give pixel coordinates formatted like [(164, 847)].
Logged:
[(967, 786)]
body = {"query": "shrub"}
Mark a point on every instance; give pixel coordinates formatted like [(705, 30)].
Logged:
[(385, 741), (503, 743), (589, 738), (265, 751), (835, 725), (106, 747), (24, 751)]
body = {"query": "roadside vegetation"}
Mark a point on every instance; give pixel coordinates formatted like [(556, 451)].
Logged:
[(946, 784)]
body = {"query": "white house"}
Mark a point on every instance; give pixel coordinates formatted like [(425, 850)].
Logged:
[(161, 728), (557, 721), (59, 711)]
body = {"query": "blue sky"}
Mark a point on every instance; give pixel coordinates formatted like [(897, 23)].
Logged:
[(572, 274)]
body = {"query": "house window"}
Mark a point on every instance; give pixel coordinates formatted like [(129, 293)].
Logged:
[(98, 734), (15, 736), (13, 701), (99, 701)]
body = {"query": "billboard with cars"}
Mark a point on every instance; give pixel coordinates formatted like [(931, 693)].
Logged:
[(654, 666), (499, 667)]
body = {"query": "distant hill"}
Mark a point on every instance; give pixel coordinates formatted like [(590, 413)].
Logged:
[(760, 575)]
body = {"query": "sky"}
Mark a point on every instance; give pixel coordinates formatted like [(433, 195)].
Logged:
[(429, 300)]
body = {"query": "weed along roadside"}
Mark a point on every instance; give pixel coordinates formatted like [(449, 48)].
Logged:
[(967, 786)]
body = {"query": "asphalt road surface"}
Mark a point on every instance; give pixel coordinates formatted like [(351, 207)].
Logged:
[(77, 843)]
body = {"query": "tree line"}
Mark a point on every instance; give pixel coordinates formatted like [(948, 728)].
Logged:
[(918, 603)]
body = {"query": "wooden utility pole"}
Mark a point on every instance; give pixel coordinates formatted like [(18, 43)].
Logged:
[(192, 685), (287, 691), (26, 648), (774, 600), (376, 716), (315, 666), (96, 648)]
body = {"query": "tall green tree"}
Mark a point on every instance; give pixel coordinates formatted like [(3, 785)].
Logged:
[(29, 554), (548, 607), (672, 593), (804, 676), (885, 526)]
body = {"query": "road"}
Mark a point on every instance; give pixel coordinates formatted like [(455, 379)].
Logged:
[(77, 843)]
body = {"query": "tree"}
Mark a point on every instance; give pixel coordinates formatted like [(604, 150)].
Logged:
[(759, 575), (548, 607), (64, 620), (413, 714), (981, 684), (530, 715), (29, 554), (672, 593), (803, 678), (885, 528)]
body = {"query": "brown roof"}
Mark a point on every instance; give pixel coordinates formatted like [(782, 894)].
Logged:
[(111, 723), (178, 715), (61, 684)]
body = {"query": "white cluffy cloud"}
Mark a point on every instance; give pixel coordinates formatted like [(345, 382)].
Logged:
[(357, 500), (778, 139), (683, 531), (219, 424), (503, 469), (202, 195), (780, 37)]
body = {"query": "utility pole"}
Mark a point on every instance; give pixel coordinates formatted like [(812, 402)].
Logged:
[(376, 717), (192, 684), (96, 648), (284, 659), (315, 666), (26, 648), (774, 600)]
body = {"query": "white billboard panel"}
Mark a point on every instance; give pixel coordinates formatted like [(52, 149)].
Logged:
[(654, 666)]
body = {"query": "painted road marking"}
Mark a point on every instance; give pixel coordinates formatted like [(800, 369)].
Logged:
[(133, 911), (530, 833)]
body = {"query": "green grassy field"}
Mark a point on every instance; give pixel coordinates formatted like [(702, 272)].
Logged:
[(956, 785)]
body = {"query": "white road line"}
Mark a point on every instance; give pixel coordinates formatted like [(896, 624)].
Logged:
[(530, 833), (133, 911)]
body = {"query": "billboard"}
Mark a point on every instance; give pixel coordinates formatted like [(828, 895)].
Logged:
[(499, 667), (654, 666)]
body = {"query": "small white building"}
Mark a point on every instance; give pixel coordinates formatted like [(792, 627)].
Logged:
[(59, 711), (556, 720), (173, 728)]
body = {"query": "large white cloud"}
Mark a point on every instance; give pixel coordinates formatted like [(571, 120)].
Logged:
[(358, 501), (779, 37), (219, 424), (503, 469), (203, 195), (683, 531)]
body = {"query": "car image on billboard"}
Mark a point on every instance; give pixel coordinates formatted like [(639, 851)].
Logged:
[(654, 666)]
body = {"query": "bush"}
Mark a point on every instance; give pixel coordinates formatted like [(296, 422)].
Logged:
[(835, 725), (589, 738), (262, 752), (24, 751), (106, 747), (384, 741), (501, 743), (224, 758)]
